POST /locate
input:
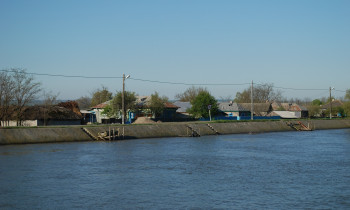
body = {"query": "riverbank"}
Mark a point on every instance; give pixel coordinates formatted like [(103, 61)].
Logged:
[(182, 129)]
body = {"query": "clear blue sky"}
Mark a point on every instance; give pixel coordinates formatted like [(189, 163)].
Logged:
[(294, 44)]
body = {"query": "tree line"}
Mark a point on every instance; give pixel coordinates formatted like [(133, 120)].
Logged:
[(156, 103), (19, 89), (200, 99)]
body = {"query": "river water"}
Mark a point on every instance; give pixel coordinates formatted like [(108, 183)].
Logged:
[(287, 170)]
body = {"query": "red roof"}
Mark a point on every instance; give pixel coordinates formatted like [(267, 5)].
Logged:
[(100, 106)]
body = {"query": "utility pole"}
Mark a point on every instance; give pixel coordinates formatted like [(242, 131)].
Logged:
[(330, 99), (209, 107), (251, 103), (123, 109), (123, 103)]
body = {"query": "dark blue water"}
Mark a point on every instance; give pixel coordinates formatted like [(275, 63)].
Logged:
[(289, 170)]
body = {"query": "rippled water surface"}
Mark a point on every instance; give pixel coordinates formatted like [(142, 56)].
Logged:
[(289, 170)]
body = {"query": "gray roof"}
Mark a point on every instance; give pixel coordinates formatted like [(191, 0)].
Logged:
[(258, 107), (183, 106), (143, 100), (231, 107)]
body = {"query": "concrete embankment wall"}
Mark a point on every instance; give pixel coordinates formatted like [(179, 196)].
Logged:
[(59, 134), (42, 135), (329, 124)]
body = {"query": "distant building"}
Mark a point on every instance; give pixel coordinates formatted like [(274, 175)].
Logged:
[(46, 116), (290, 110), (260, 109), (142, 109), (336, 105), (98, 109), (231, 109), (143, 104), (182, 111), (89, 116)]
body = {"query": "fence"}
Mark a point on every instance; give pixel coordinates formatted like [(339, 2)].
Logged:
[(241, 118)]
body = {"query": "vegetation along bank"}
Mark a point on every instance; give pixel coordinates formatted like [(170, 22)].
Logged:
[(157, 130)]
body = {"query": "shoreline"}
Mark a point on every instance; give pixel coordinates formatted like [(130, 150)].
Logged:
[(25, 135)]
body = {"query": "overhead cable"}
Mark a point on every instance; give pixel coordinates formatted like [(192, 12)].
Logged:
[(165, 82)]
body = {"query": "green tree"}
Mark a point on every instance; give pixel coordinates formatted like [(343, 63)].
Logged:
[(314, 110), (347, 95), (108, 110), (261, 94), (190, 94), (129, 102), (346, 107), (316, 102), (200, 105), (157, 104), (49, 100), (100, 95)]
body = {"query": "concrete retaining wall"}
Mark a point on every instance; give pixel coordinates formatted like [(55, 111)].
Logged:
[(42, 135), (59, 134)]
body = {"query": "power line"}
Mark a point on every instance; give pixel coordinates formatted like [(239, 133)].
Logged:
[(166, 82), (343, 91), (287, 88), (66, 76), (193, 84), (136, 79)]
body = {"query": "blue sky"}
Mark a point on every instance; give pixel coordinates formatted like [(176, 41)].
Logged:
[(292, 44)]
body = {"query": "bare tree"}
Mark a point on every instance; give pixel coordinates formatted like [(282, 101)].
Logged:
[(25, 91), (6, 97), (49, 100), (84, 102), (261, 94), (225, 98)]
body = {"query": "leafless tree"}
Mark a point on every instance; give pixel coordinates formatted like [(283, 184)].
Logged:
[(49, 100), (25, 91), (84, 102), (6, 97), (261, 94)]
